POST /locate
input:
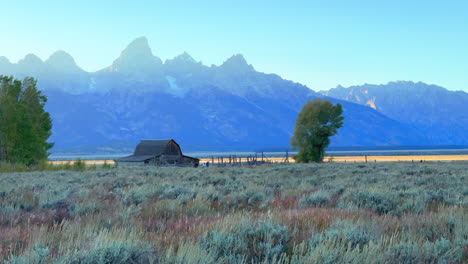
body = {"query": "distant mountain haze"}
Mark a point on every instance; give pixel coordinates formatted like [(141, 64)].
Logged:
[(227, 107), (137, 58), (441, 115)]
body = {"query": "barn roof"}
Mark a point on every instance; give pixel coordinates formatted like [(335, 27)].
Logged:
[(151, 147), (147, 149), (192, 158), (136, 158)]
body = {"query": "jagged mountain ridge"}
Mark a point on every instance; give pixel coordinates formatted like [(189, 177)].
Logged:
[(226, 107), (441, 115)]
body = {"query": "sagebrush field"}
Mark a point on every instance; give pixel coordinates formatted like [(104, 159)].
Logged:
[(316, 213)]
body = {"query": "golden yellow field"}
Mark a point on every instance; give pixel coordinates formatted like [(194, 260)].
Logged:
[(89, 162), (373, 158), (415, 158)]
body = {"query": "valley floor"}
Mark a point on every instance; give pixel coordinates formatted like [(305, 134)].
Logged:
[(394, 212)]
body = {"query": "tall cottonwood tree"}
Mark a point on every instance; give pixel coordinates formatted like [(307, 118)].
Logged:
[(25, 126), (318, 120)]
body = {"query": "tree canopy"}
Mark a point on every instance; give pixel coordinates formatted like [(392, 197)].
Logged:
[(25, 126), (318, 120)]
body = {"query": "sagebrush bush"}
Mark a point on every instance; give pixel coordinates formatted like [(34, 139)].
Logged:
[(249, 242), (250, 199), (188, 253), (169, 191), (86, 208), (316, 199), (38, 255), (110, 254), (136, 195), (166, 208), (198, 206), (380, 203), (440, 251), (349, 233)]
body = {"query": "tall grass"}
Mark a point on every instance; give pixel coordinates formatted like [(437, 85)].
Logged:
[(325, 213), (76, 165)]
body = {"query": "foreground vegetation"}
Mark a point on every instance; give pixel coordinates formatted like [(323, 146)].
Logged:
[(315, 213), (76, 165)]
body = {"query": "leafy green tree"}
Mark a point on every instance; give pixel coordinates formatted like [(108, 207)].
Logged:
[(25, 126), (318, 120)]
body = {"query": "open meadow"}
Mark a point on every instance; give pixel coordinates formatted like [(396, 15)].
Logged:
[(395, 212)]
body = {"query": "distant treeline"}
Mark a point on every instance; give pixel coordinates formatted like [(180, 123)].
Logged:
[(25, 126)]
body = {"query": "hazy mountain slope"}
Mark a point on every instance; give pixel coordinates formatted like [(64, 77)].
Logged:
[(58, 72), (226, 107), (203, 120), (440, 114)]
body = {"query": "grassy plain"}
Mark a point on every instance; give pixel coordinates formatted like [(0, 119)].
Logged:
[(289, 213)]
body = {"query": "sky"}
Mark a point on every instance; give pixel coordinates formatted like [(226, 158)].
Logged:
[(321, 44)]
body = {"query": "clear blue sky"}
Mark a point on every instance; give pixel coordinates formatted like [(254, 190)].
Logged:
[(317, 43)]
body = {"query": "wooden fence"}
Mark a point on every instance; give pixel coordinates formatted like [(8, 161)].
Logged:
[(243, 160)]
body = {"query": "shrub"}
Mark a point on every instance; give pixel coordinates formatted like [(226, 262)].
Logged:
[(250, 199), (377, 202), (166, 208), (12, 167), (218, 180), (414, 205), (170, 191), (231, 187), (136, 195), (440, 251), (316, 199), (197, 206), (38, 255), (440, 197), (403, 252), (255, 198), (188, 254), (79, 165), (249, 242), (347, 232), (116, 252), (106, 165), (26, 201), (86, 208)]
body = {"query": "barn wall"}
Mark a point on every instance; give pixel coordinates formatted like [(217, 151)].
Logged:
[(190, 160), (170, 159), (172, 149), (130, 164)]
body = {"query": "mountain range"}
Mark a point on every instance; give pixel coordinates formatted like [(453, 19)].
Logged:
[(439, 114), (227, 107)]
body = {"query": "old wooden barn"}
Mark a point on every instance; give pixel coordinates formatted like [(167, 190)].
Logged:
[(158, 152)]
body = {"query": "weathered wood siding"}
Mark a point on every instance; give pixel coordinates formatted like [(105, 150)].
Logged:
[(172, 148)]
